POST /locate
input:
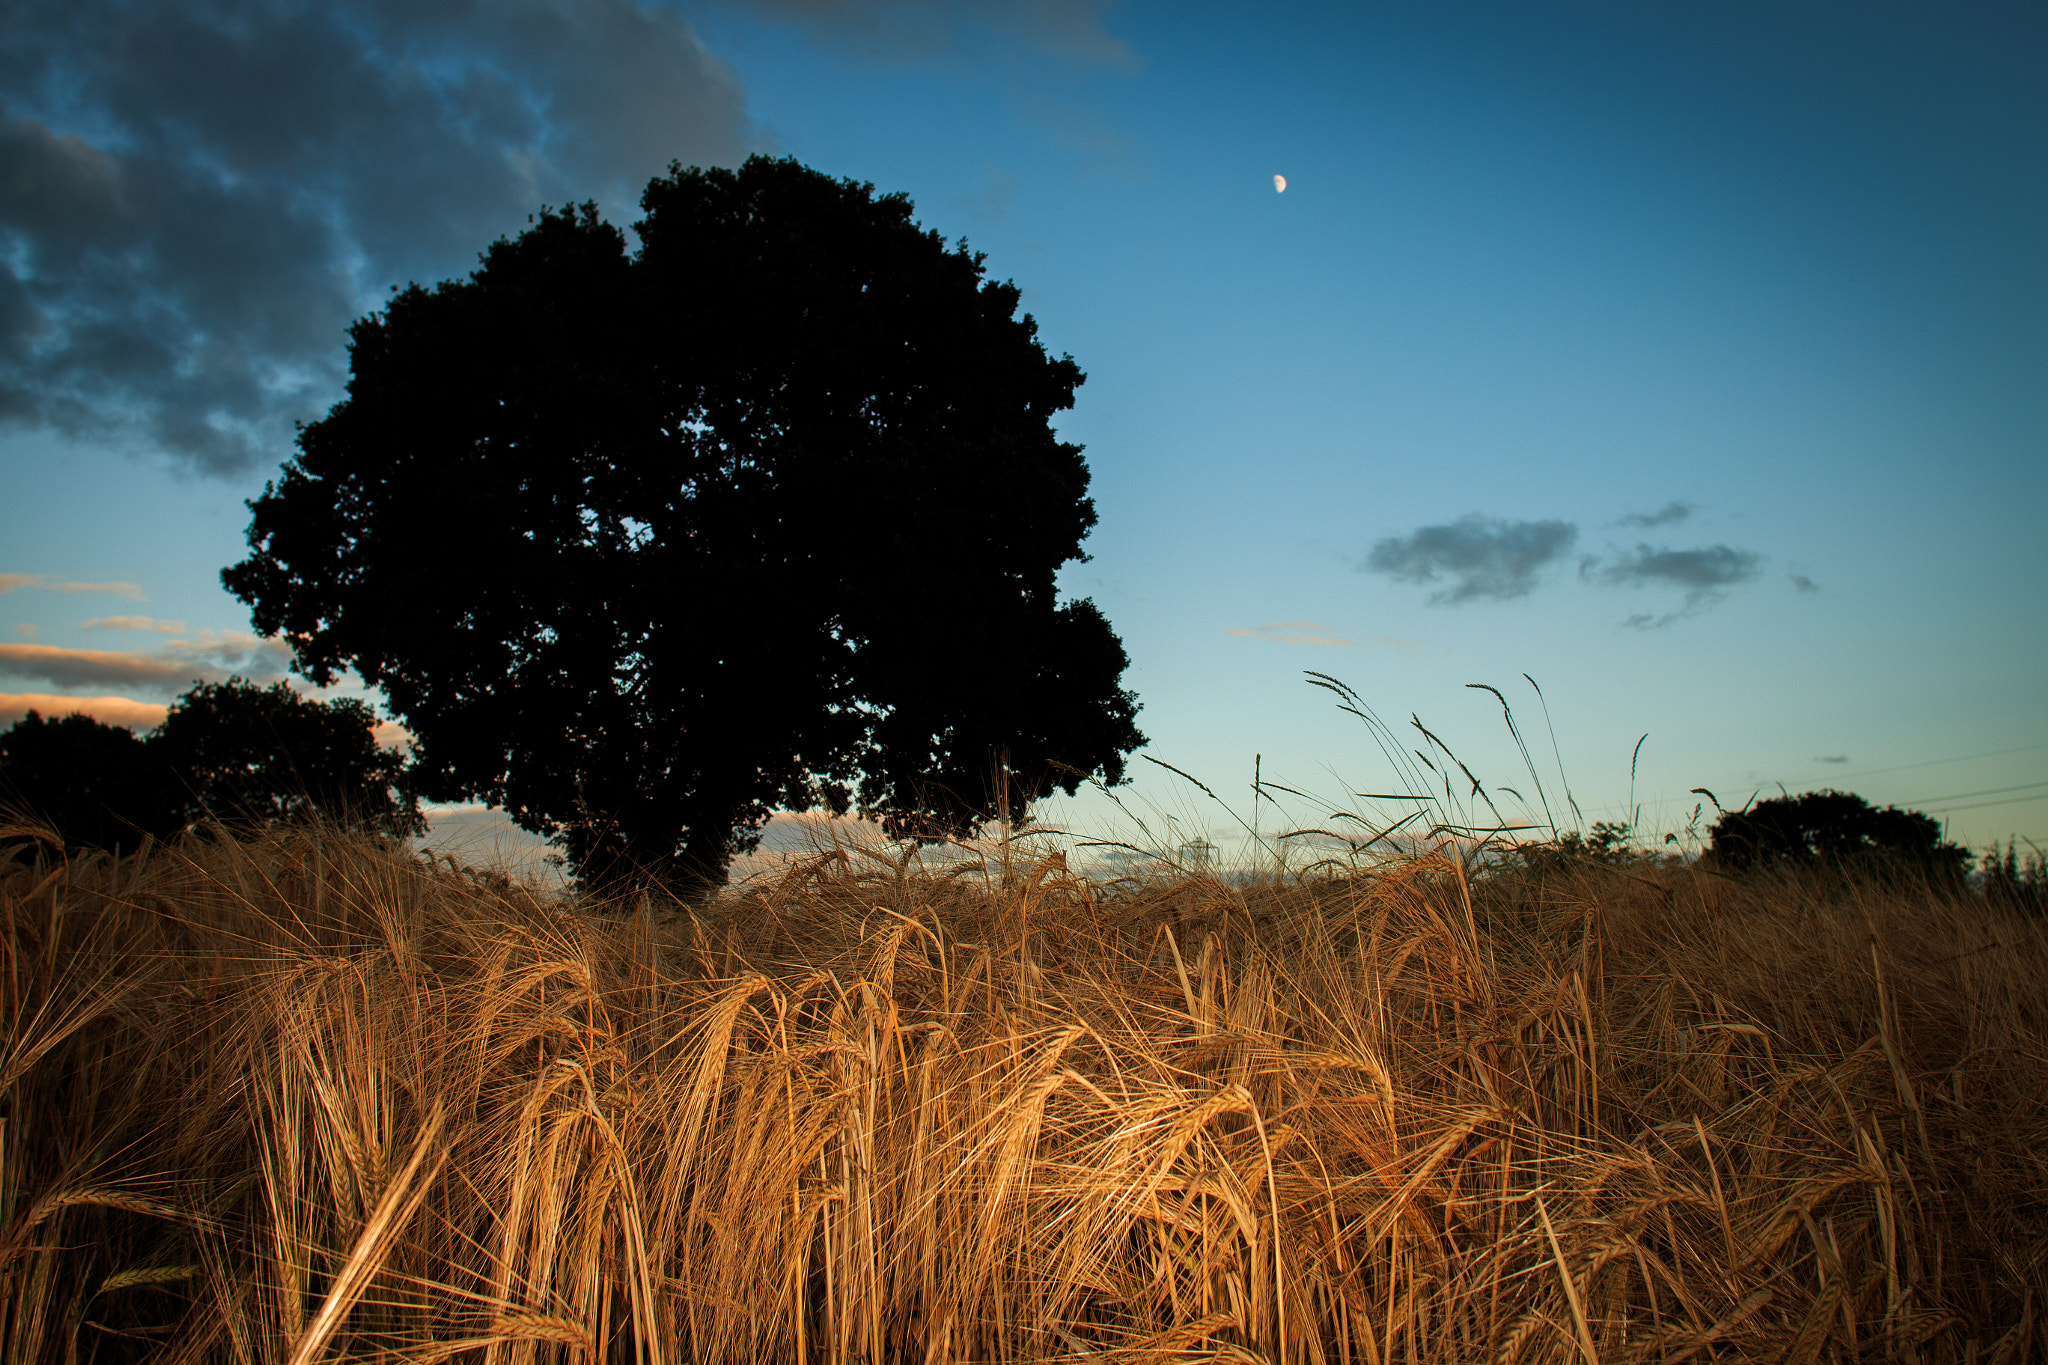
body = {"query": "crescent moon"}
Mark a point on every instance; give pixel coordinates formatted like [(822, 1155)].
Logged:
[(1279, 184)]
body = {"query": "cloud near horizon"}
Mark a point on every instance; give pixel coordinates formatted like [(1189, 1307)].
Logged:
[(1486, 557), (1309, 633), (178, 665)]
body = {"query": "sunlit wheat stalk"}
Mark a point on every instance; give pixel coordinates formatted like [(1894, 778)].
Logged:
[(303, 1098)]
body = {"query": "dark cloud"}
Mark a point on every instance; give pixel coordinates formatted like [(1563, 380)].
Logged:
[(1832, 758), (195, 199), (1705, 574), (174, 667), (91, 667), (1484, 556), (1802, 583), (1670, 514), (1703, 570)]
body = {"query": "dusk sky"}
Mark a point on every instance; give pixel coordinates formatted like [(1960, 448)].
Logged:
[(1692, 360)]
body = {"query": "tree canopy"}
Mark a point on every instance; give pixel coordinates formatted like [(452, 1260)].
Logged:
[(258, 755), (231, 751), (643, 546), (97, 785), (1831, 827)]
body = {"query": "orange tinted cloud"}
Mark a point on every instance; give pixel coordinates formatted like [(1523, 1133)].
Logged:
[(9, 582), (137, 715), (133, 623)]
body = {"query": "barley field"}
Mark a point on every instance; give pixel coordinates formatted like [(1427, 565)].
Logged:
[(302, 1097)]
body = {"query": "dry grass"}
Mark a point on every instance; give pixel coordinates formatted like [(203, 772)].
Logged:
[(304, 1099)]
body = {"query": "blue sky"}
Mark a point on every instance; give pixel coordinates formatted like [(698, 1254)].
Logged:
[(1694, 363)]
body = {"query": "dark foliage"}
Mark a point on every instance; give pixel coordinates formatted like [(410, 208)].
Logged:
[(254, 755), (97, 785), (1831, 828), (228, 751), (643, 547)]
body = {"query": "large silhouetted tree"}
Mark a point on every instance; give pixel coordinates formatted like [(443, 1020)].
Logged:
[(643, 546)]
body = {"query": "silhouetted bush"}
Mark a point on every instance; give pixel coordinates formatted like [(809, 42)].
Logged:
[(1831, 828)]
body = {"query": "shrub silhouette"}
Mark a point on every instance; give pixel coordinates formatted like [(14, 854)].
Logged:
[(1830, 828)]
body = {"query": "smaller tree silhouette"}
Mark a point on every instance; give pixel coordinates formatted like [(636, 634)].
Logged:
[(1831, 828), (229, 751), (97, 785), (258, 755)]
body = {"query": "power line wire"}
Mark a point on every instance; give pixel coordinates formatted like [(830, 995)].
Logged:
[(1964, 796), (1937, 762)]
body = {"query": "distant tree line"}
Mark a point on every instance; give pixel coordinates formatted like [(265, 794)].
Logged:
[(232, 752)]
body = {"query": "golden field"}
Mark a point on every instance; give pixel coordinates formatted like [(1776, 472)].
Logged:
[(303, 1097)]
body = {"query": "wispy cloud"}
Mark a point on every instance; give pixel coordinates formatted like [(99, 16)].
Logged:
[(15, 582), (178, 664), (26, 629), (1670, 514), (1483, 556), (1106, 149), (992, 201), (1294, 633), (138, 715), (1833, 758), (909, 30), (133, 623), (1801, 583)]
